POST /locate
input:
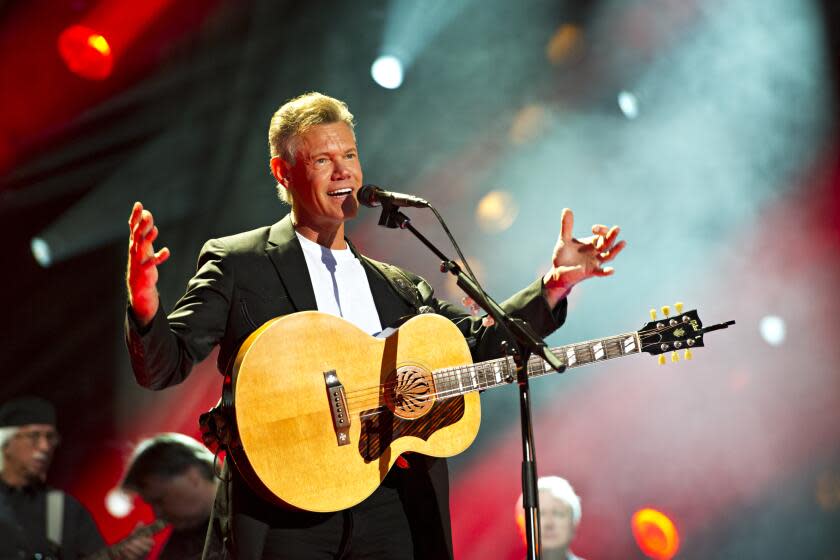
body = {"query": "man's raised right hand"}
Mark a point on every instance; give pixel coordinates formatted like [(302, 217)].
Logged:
[(142, 274)]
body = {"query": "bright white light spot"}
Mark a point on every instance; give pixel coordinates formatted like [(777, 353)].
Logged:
[(387, 71), (41, 252), (629, 104), (772, 330), (118, 503)]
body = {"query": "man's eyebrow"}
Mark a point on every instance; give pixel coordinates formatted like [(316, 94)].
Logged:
[(327, 152)]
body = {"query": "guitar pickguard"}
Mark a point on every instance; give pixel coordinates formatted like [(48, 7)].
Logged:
[(380, 426)]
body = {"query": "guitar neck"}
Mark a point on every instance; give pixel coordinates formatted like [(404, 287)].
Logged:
[(460, 380)]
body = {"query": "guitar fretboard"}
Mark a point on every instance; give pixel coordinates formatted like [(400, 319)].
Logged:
[(459, 380)]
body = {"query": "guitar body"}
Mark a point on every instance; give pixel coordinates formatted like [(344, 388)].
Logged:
[(289, 448)]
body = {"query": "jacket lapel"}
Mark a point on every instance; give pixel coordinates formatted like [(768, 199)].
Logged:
[(285, 252), (386, 283)]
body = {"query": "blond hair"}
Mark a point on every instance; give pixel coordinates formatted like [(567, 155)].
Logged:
[(294, 118)]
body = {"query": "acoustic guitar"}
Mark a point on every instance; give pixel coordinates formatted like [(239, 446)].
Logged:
[(322, 410)]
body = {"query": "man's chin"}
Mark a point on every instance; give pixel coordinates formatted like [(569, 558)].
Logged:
[(36, 475)]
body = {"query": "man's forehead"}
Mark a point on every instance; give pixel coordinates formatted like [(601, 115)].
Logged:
[(37, 428), (325, 137)]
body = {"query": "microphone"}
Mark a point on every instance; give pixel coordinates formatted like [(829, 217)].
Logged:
[(373, 196)]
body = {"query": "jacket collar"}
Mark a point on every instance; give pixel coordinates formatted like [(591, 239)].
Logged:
[(285, 252)]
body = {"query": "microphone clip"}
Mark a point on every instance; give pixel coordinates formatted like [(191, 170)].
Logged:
[(391, 217)]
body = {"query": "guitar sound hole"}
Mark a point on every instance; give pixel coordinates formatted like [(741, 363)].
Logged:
[(409, 392)]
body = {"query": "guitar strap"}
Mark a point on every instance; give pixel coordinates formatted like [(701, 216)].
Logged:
[(55, 516)]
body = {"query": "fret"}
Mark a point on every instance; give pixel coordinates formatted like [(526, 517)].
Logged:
[(480, 375), (492, 373), (571, 357)]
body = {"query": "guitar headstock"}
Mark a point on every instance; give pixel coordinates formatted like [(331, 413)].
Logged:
[(682, 331)]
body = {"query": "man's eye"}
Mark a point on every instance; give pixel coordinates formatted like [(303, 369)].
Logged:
[(351, 155)]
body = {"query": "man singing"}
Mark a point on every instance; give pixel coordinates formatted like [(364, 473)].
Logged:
[(304, 262)]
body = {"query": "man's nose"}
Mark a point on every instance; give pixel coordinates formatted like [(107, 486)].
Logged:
[(341, 170)]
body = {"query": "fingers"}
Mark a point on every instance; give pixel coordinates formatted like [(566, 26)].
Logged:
[(608, 271), (144, 232), (136, 210), (152, 235), (134, 548), (607, 256), (161, 256), (567, 225)]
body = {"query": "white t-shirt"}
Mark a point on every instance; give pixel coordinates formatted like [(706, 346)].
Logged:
[(341, 285)]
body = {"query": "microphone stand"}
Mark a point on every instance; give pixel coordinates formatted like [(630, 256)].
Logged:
[(528, 343)]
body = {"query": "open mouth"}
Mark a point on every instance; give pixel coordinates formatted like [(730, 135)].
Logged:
[(338, 193)]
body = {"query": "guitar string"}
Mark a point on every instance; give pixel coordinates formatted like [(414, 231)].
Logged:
[(372, 394), (360, 403), (455, 371), (471, 387), (534, 360)]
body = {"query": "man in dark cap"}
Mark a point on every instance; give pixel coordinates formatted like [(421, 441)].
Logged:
[(39, 519)]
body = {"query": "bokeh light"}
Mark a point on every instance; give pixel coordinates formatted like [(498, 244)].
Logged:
[(655, 534), (387, 71), (496, 211), (86, 52), (772, 330)]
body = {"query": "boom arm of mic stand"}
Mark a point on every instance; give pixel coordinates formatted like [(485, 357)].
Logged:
[(391, 217)]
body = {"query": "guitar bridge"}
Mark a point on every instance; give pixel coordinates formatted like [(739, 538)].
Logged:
[(338, 407)]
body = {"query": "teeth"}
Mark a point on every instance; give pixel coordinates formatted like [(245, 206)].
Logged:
[(340, 192)]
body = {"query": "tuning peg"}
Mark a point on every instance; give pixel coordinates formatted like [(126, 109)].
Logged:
[(675, 357), (661, 359), (688, 354), (678, 306), (653, 314), (666, 310)]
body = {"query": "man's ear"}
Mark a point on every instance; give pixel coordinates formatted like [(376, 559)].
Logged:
[(280, 170)]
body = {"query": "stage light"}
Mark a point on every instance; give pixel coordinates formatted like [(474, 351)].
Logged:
[(118, 503), (528, 124), (772, 330), (655, 534), (387, 71), (565, 44), (629, 104), (86, 52), (41, 251), (496, 211)]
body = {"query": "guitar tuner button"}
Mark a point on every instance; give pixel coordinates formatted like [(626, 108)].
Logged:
[(664, 347), (678, 344)]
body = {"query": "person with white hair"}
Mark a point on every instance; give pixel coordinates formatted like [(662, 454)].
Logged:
[(37, 521), (560, 513)]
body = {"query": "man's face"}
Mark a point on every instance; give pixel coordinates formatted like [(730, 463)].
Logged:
[(181, 500), (555, 521), (325, 176), (30, 452)]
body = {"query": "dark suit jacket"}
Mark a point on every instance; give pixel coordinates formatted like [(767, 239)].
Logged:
[(246, 279)]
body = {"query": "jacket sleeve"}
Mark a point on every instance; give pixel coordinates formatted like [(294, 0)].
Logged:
[(163, 353)]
